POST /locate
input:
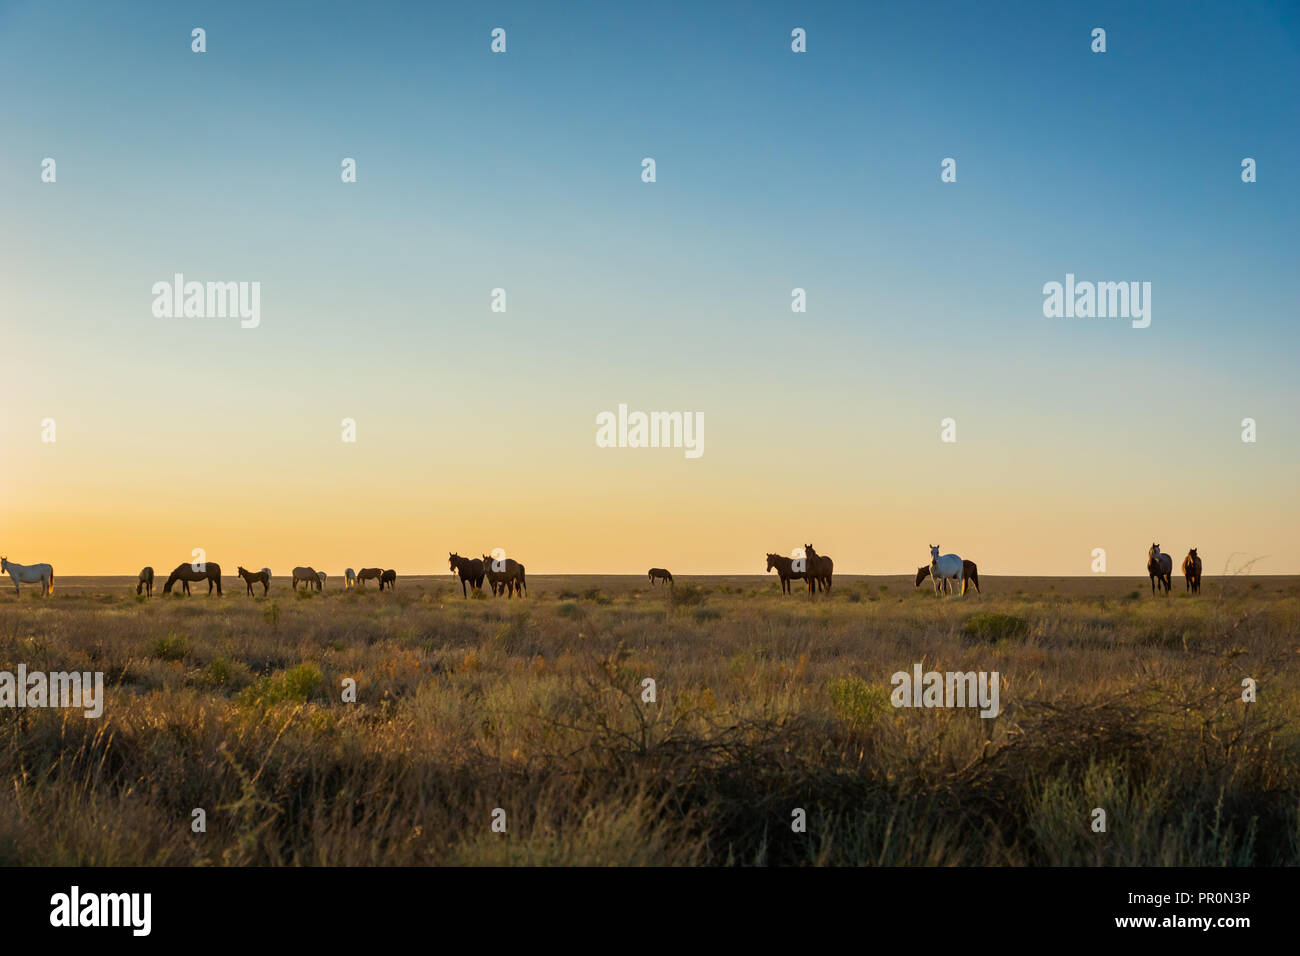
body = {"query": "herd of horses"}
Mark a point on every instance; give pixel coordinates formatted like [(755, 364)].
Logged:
[(210, 571), (505, 576)]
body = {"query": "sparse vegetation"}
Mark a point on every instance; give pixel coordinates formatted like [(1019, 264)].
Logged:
[(764, 704)]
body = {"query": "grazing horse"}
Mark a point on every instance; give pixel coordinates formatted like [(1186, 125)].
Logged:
[(369, 574), (943, 567), (509, 580), (185, 573), (1161, 569), (145, 581), (30, 574), (389, 578), (469, 569), (820, 568), (1192, 571), (307, 576), (349, 579), (262, 577), (322, 576), (785, 570), (968, 573), (660, 574)]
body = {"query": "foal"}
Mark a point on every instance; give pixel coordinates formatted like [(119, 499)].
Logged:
[(262, 577)]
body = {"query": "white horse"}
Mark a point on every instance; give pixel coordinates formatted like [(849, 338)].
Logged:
[(943, 567), (321, 575), (29, 574), (267, 572), (349, 579)]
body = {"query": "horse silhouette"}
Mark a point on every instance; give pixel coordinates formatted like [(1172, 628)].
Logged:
[(145, 581), (369, 574), (262, 577), (389, 578), (660, 574), (510, 579), (470, 571), (785, 570), (969, 573), (185, 573), (820, 568), (1192, 571), (1161, 569), (349, 579)]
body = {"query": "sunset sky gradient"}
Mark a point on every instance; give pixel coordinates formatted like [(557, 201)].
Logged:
[(775, 170)]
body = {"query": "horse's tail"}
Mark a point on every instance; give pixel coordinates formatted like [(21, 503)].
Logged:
[(974, 578), (51, 590)]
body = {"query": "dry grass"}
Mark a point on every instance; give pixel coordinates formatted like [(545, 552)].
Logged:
[(764, 704)]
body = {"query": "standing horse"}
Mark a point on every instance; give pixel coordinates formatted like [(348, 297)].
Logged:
[(30, 574), (389, 578), (820, 568), (307, 575), (785, 570), (349, 579), (369, 574), (660, 574), (262, 577), (469, 569), (145, 580), (1161, 569), (943, 567), (510, 579), (185, 573), (969, 573), (1192, 571)]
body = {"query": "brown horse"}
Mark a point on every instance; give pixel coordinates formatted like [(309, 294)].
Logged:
[(308, 576), (185, 573), (389, 578), (1192, 571), (660, 574), (820, 568), (1161, 569), (509, 579), (145, 581), (969, 574), (784, 570), (369, 574), (262, 577), (470, 571)]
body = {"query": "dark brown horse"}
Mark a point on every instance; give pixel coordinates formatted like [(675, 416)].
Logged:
[(1161, 569), (185, 573), (1192, 571), (470, 571), (509, 579), (784, 570), (660, 574), (389, 578), (145, 581), (820, 568), (369, 574), (262, 577), (969, 575)]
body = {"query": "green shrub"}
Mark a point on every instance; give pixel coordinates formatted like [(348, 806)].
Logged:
[(296, 685), (856, 702), (173, 647), (995, 627)]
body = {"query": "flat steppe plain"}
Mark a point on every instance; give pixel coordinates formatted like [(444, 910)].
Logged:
[(533, 713)]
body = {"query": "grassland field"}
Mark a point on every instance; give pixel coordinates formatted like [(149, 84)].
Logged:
[(765, 704)]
